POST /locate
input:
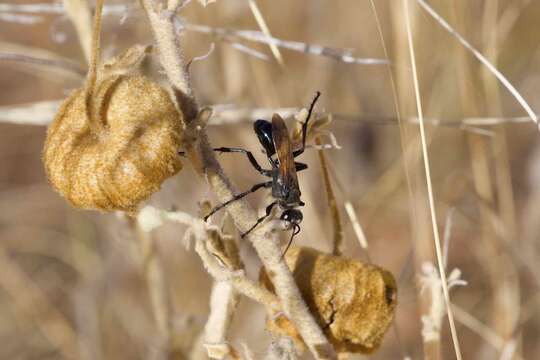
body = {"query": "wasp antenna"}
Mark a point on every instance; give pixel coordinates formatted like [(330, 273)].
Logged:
[(295, 232), (305, 124), (312, 106)]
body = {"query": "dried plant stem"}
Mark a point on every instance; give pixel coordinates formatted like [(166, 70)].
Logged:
[(227, 114), (481, 58), (95, 53), (171, 56), (157, 288), (507, 290), (57, 63), (238, 279), (234, 36), (223, 301), (484, 331), (332, 203), (264, 27), (440, 261), (79, 13), (203, 159), (29, 301)]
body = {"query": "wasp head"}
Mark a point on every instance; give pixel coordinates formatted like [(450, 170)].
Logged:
[(292, 216)]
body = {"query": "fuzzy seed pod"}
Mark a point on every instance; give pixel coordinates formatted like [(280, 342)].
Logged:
[(352, 302), (118, 153)]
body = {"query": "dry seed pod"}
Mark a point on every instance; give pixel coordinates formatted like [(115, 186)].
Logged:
[(120, 156), (353, 302), (114, 141)]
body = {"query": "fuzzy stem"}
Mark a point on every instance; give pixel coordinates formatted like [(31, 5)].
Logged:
[(95, 54), (223, 301), (170, 53), (157, 288), (202, 157)]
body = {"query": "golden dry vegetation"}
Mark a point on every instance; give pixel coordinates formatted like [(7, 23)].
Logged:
[(78, 284)]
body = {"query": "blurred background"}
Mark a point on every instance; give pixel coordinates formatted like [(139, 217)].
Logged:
[(72, 283)]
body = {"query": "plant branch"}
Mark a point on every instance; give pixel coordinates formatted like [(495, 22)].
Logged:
[(234, 36), (202, 157), (79, 13), (58, 63)]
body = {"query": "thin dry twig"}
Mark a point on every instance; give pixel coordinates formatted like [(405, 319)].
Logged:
[(332, 204), (79, 13), (445, 25), (42, 113), (31, 302), (484, 331), (37, 113), (156, 282), (20, 19), (264, 27), (57, 63), (427, 169), (55, 8), (342, 55)]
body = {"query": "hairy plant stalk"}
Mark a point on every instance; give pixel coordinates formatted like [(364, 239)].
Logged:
[(223, 301), (238, 279), (202, 157), (168, 44), (156, 282)]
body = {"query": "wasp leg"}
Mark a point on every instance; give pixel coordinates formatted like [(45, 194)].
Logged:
[(300, 166), (261, 219), (254, 188), (249, 155)]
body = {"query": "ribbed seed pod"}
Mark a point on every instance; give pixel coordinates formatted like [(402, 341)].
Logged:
[(115, 156), (352, 302)]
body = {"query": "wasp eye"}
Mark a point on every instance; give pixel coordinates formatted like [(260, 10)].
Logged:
[(292, 215)]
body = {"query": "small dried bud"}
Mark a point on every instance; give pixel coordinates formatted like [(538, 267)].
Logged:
[(352, 302), (122, 154)]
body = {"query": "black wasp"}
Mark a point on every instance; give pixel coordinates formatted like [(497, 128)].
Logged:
[(275, 139)]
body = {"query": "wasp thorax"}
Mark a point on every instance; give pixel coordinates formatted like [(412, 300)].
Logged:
[(114, 149), (353, 302)]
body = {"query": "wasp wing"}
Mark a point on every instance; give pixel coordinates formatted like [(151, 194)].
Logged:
[(282, 144)]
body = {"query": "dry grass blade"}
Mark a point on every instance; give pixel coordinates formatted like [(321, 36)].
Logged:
[(20, 19), (264, 27), (332, 203), (56, 63), (79, 14), (438, 248), (481, 58), (30, 301), (342, 55), (38, 113)]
